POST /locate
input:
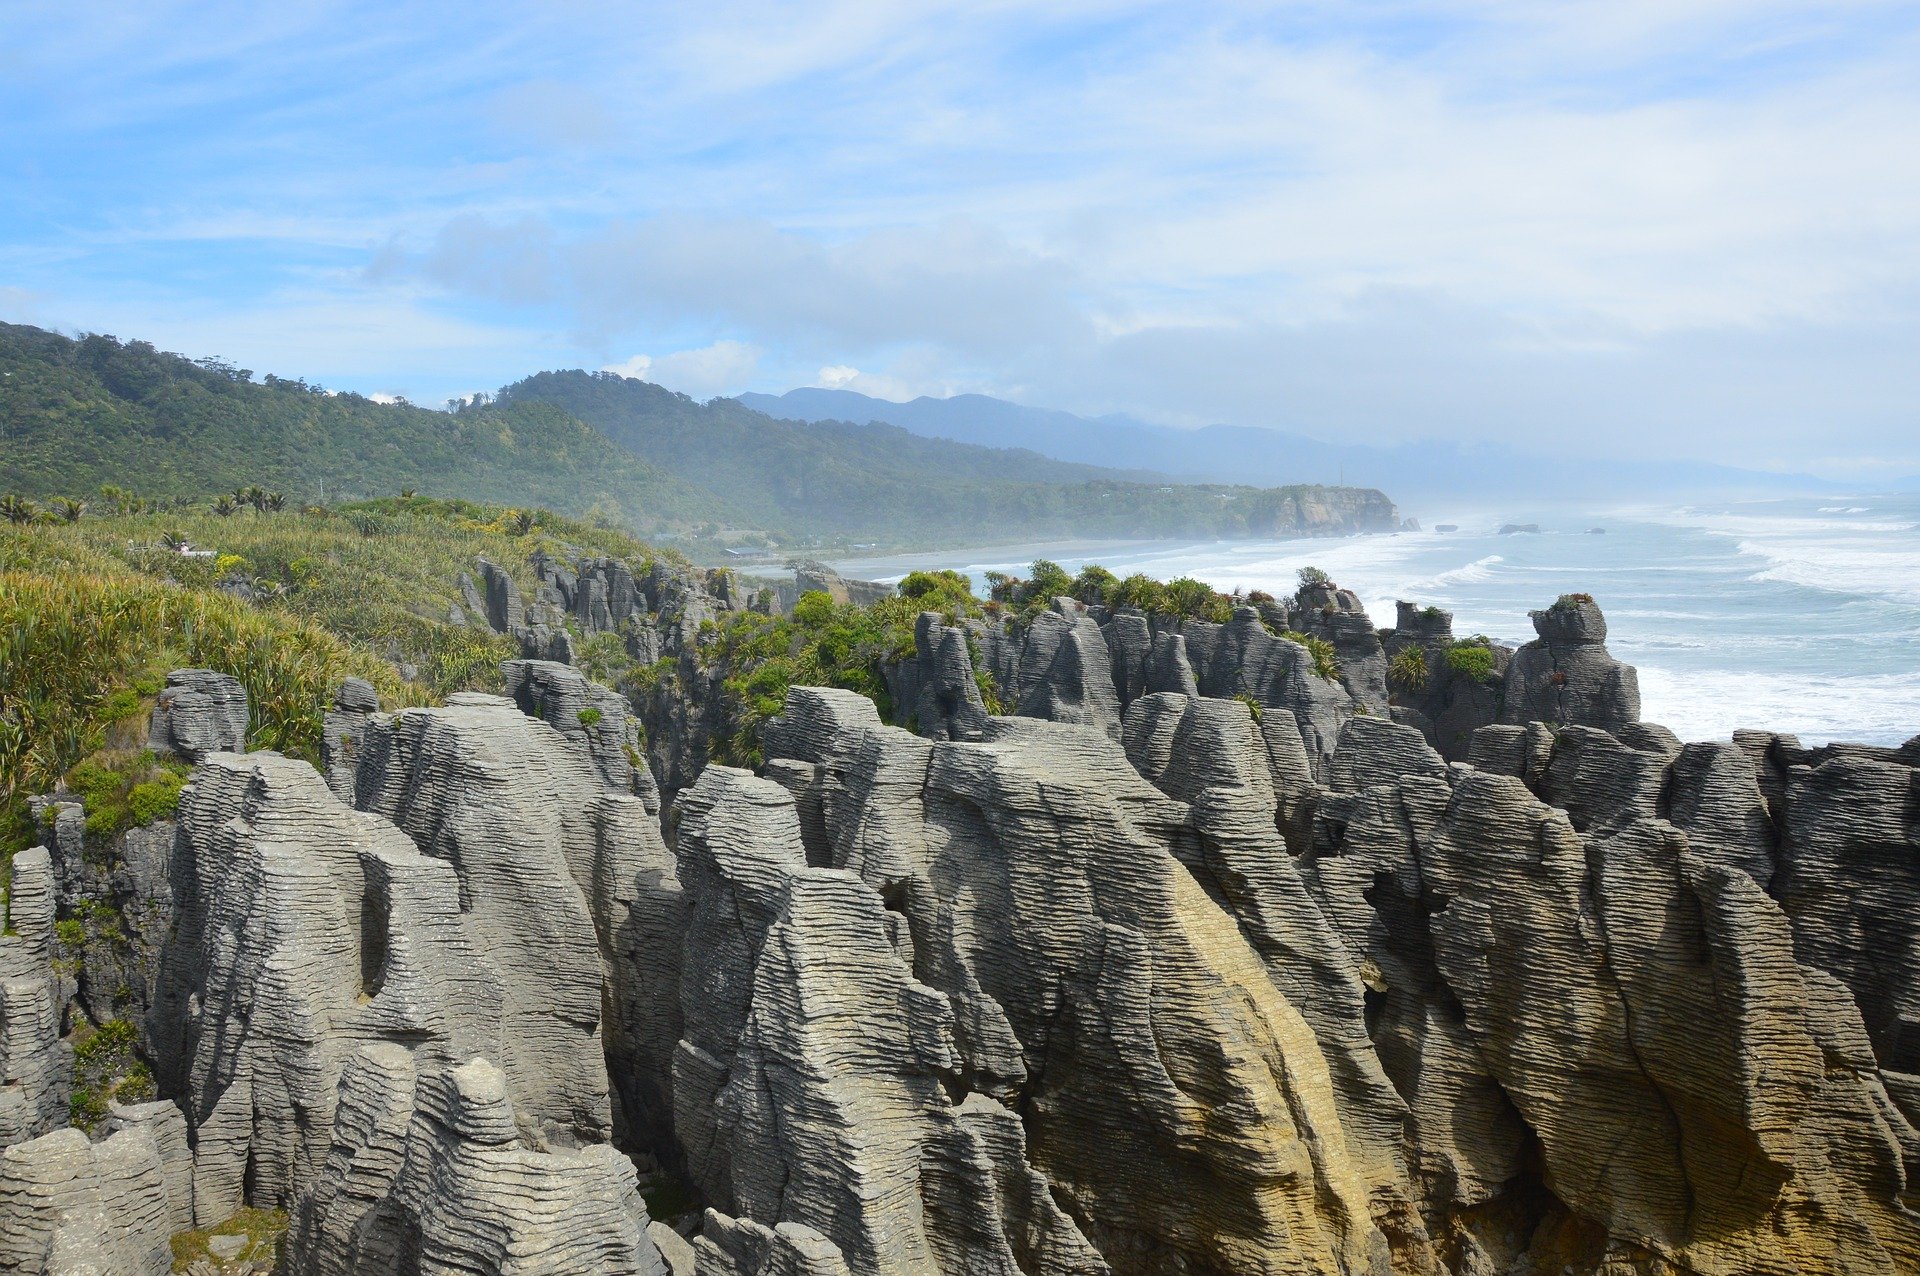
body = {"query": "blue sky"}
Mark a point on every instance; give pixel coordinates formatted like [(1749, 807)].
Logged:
[(1684, 227)]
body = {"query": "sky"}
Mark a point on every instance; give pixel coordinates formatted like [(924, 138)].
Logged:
[(1685, 228)]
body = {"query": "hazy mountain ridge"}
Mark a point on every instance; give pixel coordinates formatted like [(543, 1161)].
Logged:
[(877, 480), (1251, 454), (80, 413)]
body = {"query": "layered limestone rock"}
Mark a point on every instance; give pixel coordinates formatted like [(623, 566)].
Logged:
[(1243, 658), (591, 718), (303, 929), (1849, 880), (571, 889), (36, 1066), (1446, 703), (69, 1207), (1209, 754), (201, 711), (948, 704), (343, 730), (814, 1091), (1092, 985), (428, 1171), (1066, 674), (1566, 677), (1628, 1009)]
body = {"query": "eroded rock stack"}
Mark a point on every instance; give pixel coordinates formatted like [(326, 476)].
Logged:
[(1198, 964)]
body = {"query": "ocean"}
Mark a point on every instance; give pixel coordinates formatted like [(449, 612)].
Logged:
[(1798, 615)]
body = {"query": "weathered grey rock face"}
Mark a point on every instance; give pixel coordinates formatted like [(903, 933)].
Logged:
[(1375, 751), (1090, 982), (1448, 704), (1603, 783), (73, 1208), (859, 1144), (590, 717), (342, 731), (947, 701), (200, 712), (428, 1172), (1625, 1003), (119, 890), (741, 1247), (573, 896), (1066, 674), (36, 1066), (1565, 676), (1216, 760), (1849, 880), (303, 928), (1129, 648), (1243, 658)]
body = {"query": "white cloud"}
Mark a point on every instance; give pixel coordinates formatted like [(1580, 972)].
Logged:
[(637, 367), (723, 368), (836, 376)]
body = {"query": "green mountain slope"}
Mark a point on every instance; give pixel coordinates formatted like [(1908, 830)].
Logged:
[(78, 414), (882, 482)]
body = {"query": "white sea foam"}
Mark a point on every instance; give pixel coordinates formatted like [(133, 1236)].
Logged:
[(1712, 704)]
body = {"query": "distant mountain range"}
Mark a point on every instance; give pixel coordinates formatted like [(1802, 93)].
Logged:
[(80, 413), (1246, 454)]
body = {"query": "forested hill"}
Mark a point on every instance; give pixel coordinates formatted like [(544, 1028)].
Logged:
[(882, 482), (77, 414)]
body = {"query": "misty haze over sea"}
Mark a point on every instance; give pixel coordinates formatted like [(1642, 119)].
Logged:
[(1800, 615)]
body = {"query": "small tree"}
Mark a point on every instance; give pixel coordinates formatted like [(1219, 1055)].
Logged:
[(69, 509)]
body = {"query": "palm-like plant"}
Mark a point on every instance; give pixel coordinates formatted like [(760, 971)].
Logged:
[(226, 507), (256, 496), (68, 509), (175, 541), (273, 502), (18, 509), (520, 522)]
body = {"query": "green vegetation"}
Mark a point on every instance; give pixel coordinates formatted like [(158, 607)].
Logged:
[(98, 410), (94, 612), (1326, 665), (106, 1069), (588, 717), (1568, 602), (875, 481), (122, 790), (1314, 578), (262, 1228), (1472, 658), (1047, 580), (1253, 706), (1408, 670)]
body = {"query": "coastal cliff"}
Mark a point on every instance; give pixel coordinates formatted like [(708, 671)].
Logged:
[(1227, 935)]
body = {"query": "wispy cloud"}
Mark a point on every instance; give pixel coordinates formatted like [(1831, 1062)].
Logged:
[(1682, 224)]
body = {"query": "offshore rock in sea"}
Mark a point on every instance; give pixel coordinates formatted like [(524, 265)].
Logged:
[(1566, 676)]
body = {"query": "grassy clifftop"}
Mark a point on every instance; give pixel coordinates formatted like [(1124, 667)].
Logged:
[(93, 613)]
